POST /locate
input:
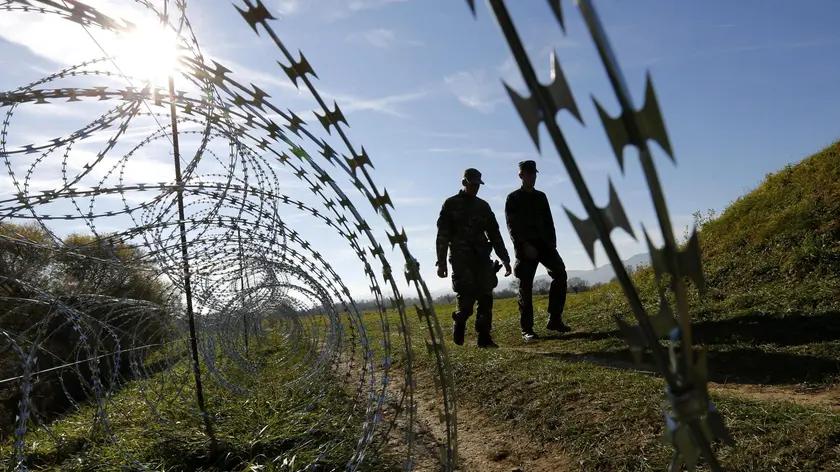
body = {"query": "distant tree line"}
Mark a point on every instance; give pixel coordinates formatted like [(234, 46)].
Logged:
[(541, 287)]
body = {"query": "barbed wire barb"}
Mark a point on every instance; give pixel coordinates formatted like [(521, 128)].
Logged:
[(687, 389)]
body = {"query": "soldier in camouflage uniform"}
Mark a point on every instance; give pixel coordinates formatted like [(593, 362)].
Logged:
[(531, 229), (468, 228)]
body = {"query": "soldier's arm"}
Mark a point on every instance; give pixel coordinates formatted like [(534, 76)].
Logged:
[(495, 236), (513, 218), (549, 220), (444, 226)]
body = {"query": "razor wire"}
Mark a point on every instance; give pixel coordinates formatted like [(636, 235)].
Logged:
[(226, 253), (693, 423), (216, 236)]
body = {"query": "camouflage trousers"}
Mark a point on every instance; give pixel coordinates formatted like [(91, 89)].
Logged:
[(473, 282)]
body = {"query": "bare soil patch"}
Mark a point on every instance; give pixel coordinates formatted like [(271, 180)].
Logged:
[(484, 444)]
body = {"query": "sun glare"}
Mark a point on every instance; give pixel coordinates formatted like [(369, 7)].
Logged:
[(148, 53)]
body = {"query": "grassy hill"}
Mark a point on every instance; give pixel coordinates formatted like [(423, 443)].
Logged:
[(782, 237), (771, 324)]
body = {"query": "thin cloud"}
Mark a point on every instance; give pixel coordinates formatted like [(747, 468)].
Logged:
[(288, 7), (331, 10), (510, 185), (483, 152), (446, 134), (482, 90), (75, 47), (419, 229), (387, 105), (70, 43), (475, 89), (741, 49), (466, 135), (347, 102), (411, 201), (371, 4), (381, 37)]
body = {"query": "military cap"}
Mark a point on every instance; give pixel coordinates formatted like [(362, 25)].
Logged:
[(528, 166), (473, 176)]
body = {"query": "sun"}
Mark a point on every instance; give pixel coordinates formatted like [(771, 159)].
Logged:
[(148, 53)]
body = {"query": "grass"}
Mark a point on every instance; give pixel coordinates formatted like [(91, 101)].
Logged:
[(276, 427), (771, 317), (581, 391)]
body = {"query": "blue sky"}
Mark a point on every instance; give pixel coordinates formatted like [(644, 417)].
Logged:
[(745, 88)]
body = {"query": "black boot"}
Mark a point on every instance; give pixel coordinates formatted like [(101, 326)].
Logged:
[(556, 324), (485, 340), (459, 327)]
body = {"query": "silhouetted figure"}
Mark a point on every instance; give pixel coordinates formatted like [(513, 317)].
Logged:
[(531, 228), (468, 227)]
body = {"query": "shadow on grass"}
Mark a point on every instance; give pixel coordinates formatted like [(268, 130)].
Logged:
[(745, 366), (733, 355), (781, 329), (596, 336)]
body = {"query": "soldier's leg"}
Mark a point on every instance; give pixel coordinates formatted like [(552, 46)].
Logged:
[(484, 313), (556, 269), (463, 286), (486, 281), (484, 320), (524, 271), (463, 310)]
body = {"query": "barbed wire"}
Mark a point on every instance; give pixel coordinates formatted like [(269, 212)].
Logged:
[(695, 423), (181, 280), (227, 250)]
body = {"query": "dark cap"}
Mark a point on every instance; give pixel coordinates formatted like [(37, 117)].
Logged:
[(528, 166), (473, 176)]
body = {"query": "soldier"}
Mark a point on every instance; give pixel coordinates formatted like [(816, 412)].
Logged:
[(531, 230), (468, 228)]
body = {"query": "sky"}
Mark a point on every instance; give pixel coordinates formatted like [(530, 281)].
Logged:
[(745, 88)]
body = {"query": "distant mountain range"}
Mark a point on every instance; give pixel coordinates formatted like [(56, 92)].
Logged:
[(604, 273)]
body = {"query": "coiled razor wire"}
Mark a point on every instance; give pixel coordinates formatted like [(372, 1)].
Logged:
[(236, 276), (198, 270)]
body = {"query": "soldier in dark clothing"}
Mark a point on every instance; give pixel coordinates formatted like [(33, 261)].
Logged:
[(468, 228), (531, 229)]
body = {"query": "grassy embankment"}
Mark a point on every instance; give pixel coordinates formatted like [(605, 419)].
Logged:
[(771, 323)]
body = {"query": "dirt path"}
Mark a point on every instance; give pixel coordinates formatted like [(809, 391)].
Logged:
[(484, 445), (826, 398), (487, 445)]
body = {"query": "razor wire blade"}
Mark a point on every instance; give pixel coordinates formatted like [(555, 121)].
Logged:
[(695, 423), (235, 251)]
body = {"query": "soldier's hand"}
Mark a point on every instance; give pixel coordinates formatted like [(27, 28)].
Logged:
[(507, 269), (530, 251), (442, 272)]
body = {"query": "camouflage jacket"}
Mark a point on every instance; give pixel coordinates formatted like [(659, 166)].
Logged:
[(464, 225), (529, 220)]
